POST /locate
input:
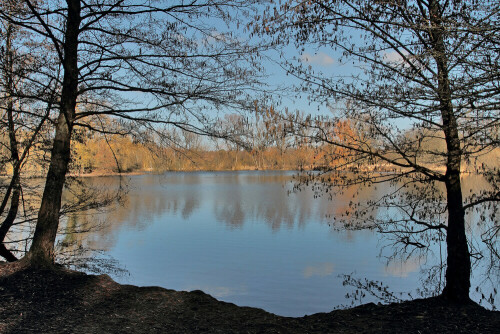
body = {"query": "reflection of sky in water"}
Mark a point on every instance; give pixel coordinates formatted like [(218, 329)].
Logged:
[(240, 237)]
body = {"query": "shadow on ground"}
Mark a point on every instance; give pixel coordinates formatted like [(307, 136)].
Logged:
[(60, 301)]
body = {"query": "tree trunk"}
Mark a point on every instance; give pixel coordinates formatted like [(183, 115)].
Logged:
[(11, 217), (15, 184), (458, 268), (42, 247)]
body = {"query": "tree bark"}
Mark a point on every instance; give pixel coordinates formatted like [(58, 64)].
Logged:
[(458, 268), (42, 247)]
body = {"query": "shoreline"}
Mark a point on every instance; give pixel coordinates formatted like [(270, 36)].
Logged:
[(98, 174), (32, 300), (150, 172)]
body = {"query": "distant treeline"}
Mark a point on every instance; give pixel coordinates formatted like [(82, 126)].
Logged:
[(121, 154), (262, 145), (98, 154)]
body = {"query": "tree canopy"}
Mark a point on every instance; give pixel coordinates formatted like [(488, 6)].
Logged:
[(422, 86), (149, 63)]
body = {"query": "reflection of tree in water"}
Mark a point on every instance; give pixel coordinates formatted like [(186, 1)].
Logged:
[(267, 204), (432, 280), (412, 217), (261, 198), (74, 250), (479, 225), (147, 199), (235, 199), (276, 205), (228, 207), (231, 215), (364, 289), (83, 203)]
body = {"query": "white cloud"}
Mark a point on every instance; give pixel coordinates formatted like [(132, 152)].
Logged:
[(395, 57), (320, 58)]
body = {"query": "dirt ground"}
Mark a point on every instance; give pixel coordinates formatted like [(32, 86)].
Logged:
[(60, 301)]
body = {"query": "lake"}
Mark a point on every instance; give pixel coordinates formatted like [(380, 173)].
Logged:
[(245, 238)]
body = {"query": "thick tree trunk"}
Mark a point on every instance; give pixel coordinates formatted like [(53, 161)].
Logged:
[(42, 247), (458, 268)]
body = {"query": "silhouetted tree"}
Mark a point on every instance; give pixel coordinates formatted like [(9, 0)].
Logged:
[(427, 65), (23, 118), (149, 62)]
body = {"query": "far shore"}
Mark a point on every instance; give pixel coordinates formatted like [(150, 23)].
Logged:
[(382, 168)]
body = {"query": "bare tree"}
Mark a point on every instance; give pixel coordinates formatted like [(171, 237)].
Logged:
[(428, 66), (23, 118), (150, 62)]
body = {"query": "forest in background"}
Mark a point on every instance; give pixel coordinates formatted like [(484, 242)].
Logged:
[(258, 147), (124, 154)]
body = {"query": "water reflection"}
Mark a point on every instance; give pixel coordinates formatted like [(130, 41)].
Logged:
[(321, 270), (244, 238), (400, 268), (233, 198)]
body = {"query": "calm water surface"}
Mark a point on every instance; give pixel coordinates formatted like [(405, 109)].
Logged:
[(243, 238)]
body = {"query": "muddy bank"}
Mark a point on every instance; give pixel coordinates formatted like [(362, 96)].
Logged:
[(59, 301)]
